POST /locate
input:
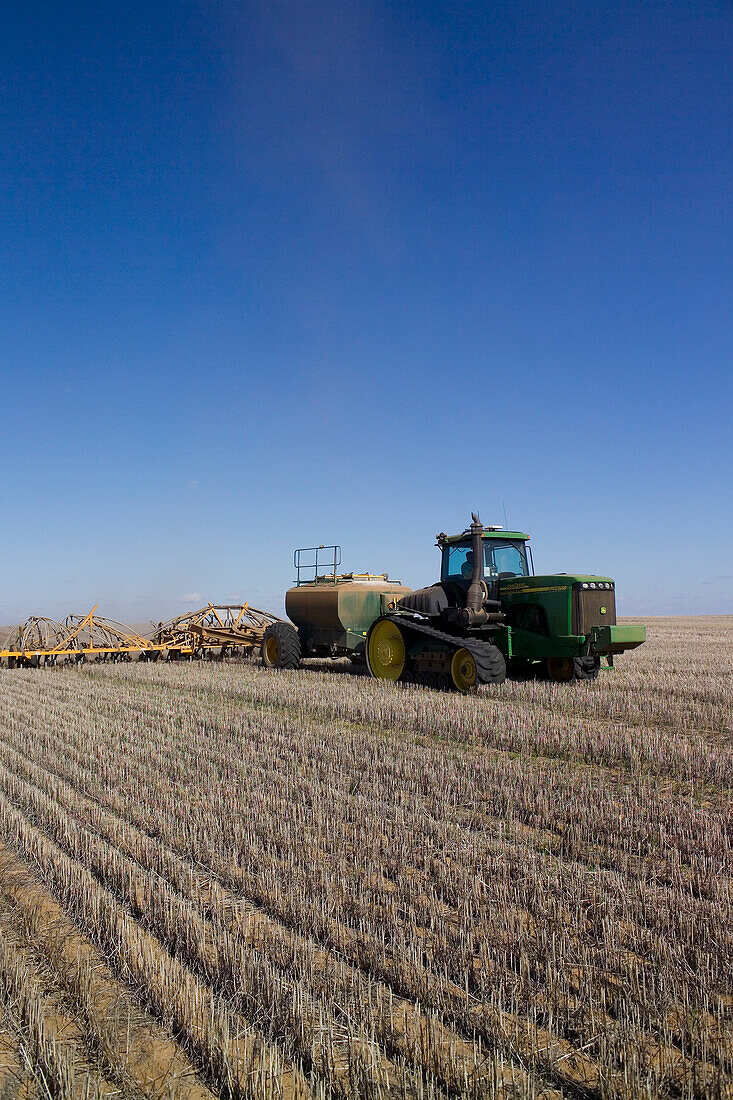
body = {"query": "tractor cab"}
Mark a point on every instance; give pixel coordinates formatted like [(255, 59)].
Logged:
[(505, 554)]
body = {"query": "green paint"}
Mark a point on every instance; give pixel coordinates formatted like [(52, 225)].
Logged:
[(450, 540)]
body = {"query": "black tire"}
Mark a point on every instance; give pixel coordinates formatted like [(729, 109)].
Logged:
[(587, 668), (490, 663), (566, 670), (281, 646)]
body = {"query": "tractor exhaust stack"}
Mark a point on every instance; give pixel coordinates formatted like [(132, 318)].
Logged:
[(474, 613)]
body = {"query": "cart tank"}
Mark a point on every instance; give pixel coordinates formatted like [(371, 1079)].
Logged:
[(333, 612)]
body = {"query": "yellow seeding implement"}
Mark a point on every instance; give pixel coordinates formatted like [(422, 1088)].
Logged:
[(213, 631)]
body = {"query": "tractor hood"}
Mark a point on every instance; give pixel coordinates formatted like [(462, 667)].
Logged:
[(559, 604)]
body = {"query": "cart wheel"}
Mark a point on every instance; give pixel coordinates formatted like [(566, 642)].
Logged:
[(281, 646)]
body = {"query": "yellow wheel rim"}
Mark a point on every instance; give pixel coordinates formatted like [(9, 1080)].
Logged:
[(560, 669), (386, 651), (463, 671), (272, 651)]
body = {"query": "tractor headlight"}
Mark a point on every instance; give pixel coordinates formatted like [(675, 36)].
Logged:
[(585, 584), (592, 584)]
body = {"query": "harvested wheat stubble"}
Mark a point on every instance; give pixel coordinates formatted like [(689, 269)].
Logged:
[(391, 892), (17, 1079), (55, 1040), (130, 1047), (227, 1048), (453, 1059)]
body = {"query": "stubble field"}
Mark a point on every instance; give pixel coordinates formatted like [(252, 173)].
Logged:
[(218, 880)]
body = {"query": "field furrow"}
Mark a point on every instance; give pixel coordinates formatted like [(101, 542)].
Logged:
[(226, 1049), (179, 904), (460, 854), (128, 1044), (549, 1045), (19, 1079), (322, 885)]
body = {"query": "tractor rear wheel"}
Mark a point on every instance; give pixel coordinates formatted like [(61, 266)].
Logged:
[(281, 646), (385, 650)]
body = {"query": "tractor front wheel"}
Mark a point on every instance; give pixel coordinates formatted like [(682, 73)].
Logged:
[(281, 646), (587, 668)]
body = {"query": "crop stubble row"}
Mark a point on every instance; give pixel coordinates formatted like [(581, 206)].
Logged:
[(533, 921)]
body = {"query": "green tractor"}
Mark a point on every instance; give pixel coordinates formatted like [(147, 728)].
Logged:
[(487, 617)]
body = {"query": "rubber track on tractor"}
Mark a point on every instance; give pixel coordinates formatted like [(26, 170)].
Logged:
[(490, 666)]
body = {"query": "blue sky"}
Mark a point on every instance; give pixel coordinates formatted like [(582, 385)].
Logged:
[(278, 273)]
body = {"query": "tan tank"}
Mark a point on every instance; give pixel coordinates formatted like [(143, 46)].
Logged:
[(333, 614)]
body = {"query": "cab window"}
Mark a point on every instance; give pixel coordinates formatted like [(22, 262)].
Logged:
[(500, 556), (458, 563), (508, 558)]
